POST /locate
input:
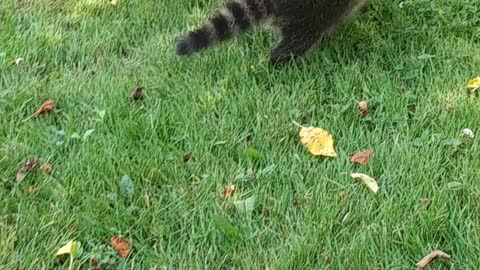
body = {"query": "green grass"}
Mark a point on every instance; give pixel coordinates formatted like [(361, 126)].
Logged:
[(88, 56)]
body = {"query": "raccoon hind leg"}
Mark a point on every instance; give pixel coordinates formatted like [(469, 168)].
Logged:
[(296, 40)]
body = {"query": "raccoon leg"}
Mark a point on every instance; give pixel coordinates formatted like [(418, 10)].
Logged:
[(296, 41)]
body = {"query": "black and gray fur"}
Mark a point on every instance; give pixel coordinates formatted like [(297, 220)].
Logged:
[(301, 23)]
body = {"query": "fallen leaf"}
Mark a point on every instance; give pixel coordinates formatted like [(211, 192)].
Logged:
[(245, 206), (432, 256), (367, 180), (468, 133), (228, 191), (17, 61), (88, 133), (363, 108), (113, 2), (253, 153), (95, 264), (267, 170), (46, 107), (453, 142), (72, 248), (225, 226), (417, 142), (29, 165), (46, 168), (454, 185), (318, 141), (127, 189), (474, 84), (122, 246), (137, 94), (187, 157), (362, 157)]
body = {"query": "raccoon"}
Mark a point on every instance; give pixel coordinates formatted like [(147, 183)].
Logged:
[(301, 24)]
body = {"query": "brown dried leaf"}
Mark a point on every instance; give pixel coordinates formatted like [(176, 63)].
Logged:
[(137, 94), (95, 264), (29, 165), (187, 157), (363, 108), (121, 245), (432, 256), (46, 168), (362, 157), (228, 191), (46, 107)]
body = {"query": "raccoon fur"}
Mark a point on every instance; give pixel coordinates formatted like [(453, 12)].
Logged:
[(301, 23)]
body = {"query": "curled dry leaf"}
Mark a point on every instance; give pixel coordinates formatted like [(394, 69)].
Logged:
[(46, 107), (432, 256), (17, 61), (362, 157), (29, 165), (367, 180), (46, 168), (363, 108), (121, 245), (474, 84), (137, 94), (318, 141), (187, 157), (468, 133), (228, 191)]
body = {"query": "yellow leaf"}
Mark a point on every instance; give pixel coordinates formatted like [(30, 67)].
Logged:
[(474, 84), (113, 2), (367, 180), (318, 141), (72, 248)]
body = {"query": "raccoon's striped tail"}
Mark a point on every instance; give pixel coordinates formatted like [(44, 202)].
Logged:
[(236, 17)]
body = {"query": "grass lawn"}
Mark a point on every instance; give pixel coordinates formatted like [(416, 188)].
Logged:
[(411, 64)]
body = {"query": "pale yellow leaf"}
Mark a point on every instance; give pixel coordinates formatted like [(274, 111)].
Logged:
[(71, 248), (367, 180), (113, 2), (474, 84), (318, 141)]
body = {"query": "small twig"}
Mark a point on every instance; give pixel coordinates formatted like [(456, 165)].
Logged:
[(432, 256)]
